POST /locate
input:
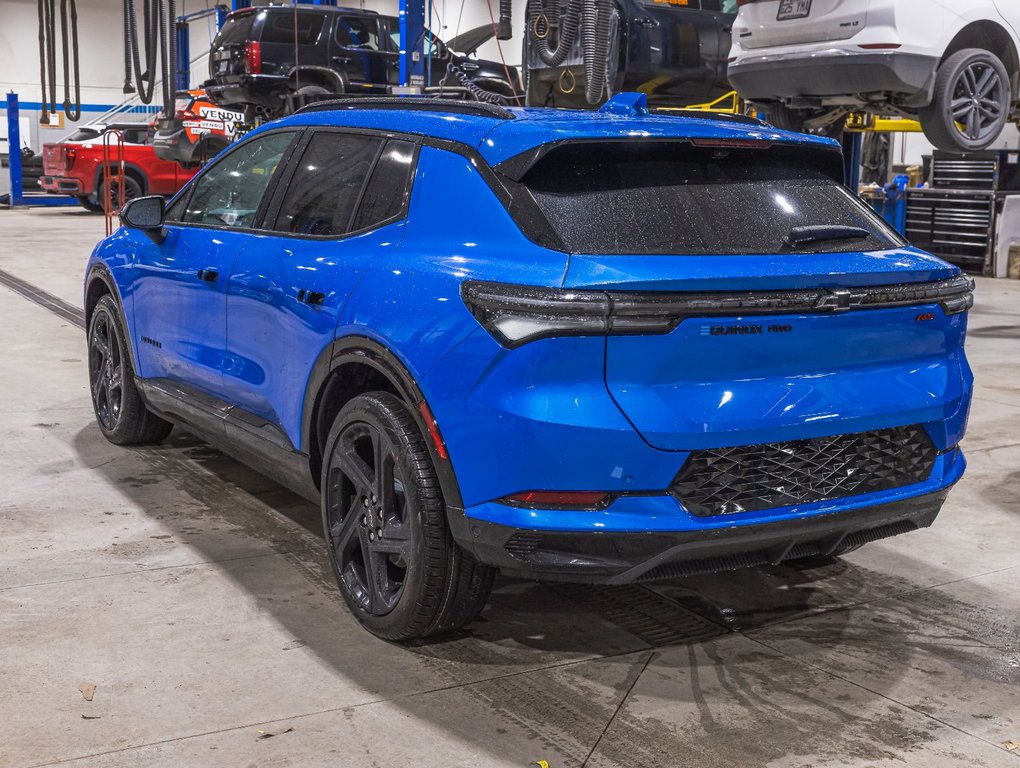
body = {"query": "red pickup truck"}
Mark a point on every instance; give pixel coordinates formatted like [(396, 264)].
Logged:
[(75, 166)]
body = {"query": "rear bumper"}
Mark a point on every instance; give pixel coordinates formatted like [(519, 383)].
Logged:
[(263, 90), (834, 72), (172, 145), (605, 558), (61, 185)]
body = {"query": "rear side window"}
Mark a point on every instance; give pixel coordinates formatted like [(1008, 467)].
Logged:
[(389, 186), (327, 183), (236, 29), (279, 27), (674, 198), (358, 32)]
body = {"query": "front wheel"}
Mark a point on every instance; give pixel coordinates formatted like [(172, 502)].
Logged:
[(398, 568), (120, 412), (972, 102)]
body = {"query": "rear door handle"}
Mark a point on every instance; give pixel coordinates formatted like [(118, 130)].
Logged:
[(208, 275), (315, 298)]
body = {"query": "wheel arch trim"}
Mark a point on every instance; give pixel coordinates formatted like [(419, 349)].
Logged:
[(366, 351)]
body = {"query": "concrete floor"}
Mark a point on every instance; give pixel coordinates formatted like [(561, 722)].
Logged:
[(196, 597)]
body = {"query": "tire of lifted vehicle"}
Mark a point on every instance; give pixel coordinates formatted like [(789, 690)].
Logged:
[(126, 420), (937, 120), (443, 587), (85, 202)]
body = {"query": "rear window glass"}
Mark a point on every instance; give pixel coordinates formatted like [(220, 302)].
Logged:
[(236, 29), (279, 27), (672, 198)]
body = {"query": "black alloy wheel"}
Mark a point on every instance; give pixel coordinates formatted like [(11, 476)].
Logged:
[(396, 563), (120, 412), (106, 371), (972, 102), (368, 517)]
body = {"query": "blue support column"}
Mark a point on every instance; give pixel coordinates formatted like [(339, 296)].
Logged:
[(412, 38), (853, 152), (14, 149), (183, 69), (17, 195)]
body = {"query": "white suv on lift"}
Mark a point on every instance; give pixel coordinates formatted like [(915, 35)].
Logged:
[(952, 64)]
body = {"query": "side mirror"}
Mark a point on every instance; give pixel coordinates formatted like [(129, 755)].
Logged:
[(146, 214)]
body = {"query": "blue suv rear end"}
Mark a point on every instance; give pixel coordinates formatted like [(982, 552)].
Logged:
[(600, 347)]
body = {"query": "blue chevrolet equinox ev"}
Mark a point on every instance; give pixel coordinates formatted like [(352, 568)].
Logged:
[(604, 347)]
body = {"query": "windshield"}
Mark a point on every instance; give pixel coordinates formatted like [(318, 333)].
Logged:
[(673, 198)]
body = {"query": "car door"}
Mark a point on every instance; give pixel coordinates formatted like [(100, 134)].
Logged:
[(358, 52), (672, 51), (340, 206), (180, 293), (723, 13)]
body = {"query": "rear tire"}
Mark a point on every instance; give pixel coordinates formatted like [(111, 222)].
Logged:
[(132, 189), (972, 86), (384, 517), (122, 416), (86, 202)]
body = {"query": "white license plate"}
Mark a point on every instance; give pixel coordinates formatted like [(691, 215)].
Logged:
[(793, 9)]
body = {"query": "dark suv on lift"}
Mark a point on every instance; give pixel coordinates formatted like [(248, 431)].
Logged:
[(262, 56)]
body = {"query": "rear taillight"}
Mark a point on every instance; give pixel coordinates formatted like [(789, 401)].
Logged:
[(517, 314), (70, 153), (252, 58)]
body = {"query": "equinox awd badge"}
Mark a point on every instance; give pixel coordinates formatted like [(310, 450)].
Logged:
[(744, 330)]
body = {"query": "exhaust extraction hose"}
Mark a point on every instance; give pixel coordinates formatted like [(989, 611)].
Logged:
[(597, 22), (568, 25)]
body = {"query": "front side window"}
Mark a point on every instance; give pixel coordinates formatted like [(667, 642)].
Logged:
[(674, 198), (229, 192), (324, 191)]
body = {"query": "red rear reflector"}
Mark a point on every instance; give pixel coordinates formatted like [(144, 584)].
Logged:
[(730, 143), (70, 153), (880, 46), (559, 499), (433, 428), (252, 58)]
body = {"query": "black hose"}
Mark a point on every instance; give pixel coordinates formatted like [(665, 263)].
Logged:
[(568, 25), (51, 52), (479, 93), (42, 59), (72, 109), (171, 42), (128, 86), (595, 38), (505, 29), (145, 80)]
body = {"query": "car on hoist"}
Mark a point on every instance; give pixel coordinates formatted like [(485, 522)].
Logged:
[(78, 166), (198, 130), (953, 66), (606, 347), (263, 60), (674, 51)]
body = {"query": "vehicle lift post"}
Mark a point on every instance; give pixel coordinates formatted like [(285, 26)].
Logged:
[(17, 194), (182, 67), (412, 40)]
